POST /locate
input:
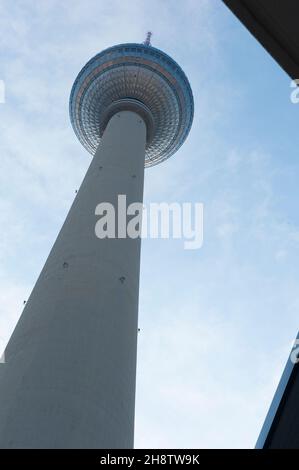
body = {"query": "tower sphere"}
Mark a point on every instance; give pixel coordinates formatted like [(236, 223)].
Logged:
[(139, 78)]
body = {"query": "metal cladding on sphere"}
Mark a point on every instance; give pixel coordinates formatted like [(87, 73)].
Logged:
[(139, 78)]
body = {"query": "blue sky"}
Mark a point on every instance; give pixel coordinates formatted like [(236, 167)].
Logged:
[(216, 324)]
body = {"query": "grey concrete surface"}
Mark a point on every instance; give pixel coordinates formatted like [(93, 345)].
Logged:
[(70, 371)]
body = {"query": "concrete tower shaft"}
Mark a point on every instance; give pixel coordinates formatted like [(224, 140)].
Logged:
[(69, 376)]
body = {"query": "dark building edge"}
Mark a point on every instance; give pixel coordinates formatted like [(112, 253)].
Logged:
[(278, 405), (266, 33)]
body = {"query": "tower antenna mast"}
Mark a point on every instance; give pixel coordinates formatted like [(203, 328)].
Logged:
[(147, 41)]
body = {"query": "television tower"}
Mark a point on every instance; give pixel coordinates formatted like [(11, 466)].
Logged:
[(70, 365)]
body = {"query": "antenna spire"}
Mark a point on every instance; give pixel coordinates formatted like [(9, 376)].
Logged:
[(147, 41)]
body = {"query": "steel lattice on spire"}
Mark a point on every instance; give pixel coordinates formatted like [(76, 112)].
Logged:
[(147, 41)]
